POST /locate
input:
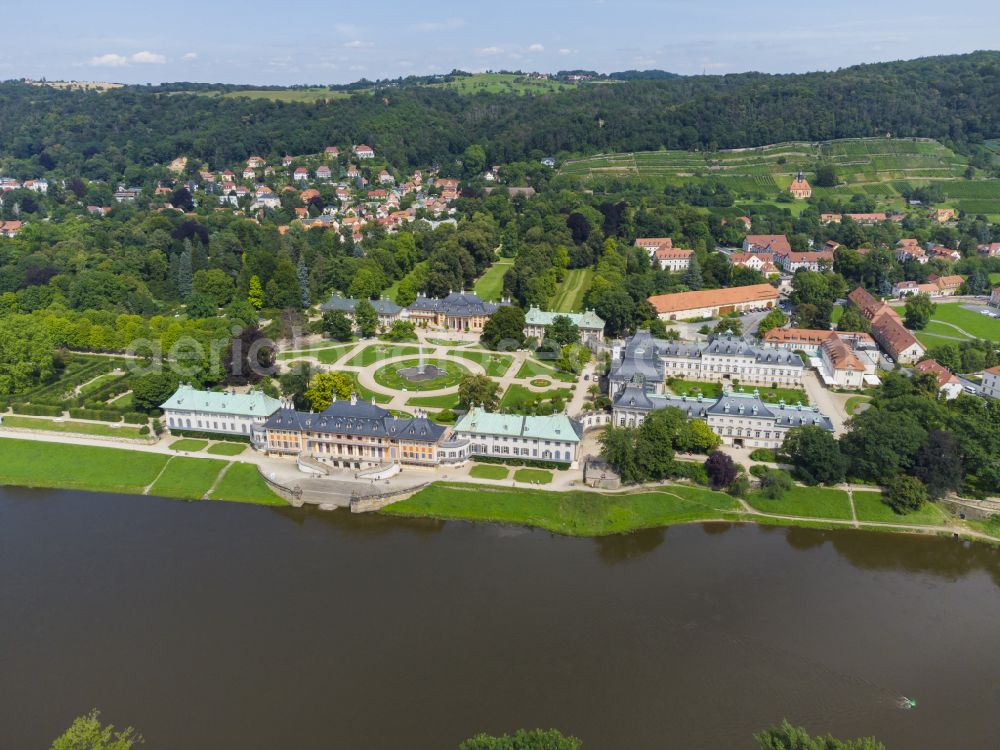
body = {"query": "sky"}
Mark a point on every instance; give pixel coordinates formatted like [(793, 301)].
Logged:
[(336, 42)]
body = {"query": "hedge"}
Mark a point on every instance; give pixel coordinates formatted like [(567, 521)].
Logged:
[(98, 415), (135, 417), (763, 454), (688, 470), (528, 462), (38, 410), (210, 435)]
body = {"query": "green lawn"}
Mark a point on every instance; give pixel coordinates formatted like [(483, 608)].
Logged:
[(227, 449), (84, 467), (502, 83), (389, 376), (190, 445), (79, 428), (489, 286), (569, 295), (995, 278), (447, 342), (937, 328), (869, 507), (811, 502), (851, 407), (327, 354), (93, 385), (714, 390), (242, 483), (308, 94), (973, 323), (187, 478), (488, 471), (494, 364), (122, 402), (363, 392), (533, 476), (576, 513), (694, 388), (448, 401), (533, 368), (774, 395), (837, 313), (377, 352), (518, 399)]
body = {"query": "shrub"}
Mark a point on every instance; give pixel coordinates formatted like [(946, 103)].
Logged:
[(134, 417), (38, 410), (144, 430), (775, 483), (758, 471), (905, 494), (763, 454), (691, 471), (97, 415), (205, 435), (740, 486)]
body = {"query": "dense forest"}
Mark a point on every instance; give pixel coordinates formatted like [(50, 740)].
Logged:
[(954, 98)]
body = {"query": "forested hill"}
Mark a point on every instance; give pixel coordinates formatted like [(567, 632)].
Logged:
[(955, 99)]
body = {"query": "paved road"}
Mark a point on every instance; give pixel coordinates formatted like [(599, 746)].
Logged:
[(829, 403)]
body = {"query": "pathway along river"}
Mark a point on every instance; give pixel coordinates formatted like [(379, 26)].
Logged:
[(211, 625)]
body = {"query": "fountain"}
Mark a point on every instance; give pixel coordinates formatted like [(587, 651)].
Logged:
[(422, 371)]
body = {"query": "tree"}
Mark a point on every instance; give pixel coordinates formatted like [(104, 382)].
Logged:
[(881, 443), (185, 274), (200, 306), (26, 354), (87, 733), (325, 386), (774, 319), (283, 288), (474, 159), (367, 283), (919, 310), (302, 273), (401, 330), (775, 483), (573, 358), (295, 383), (215, 284), (152, 389), (250, 356), (788, 737), (695, 436), (366, 317), (563, 330), (826, 175), (256, 294), (692, 276), (815, 455), (721, 469), (618, 449), (505, 329), (853, 320), (905, 494), (535, 739), (938, 464), (654, 440), (729, 325), (617, 308), (478, 390), (337, 325), (242, 312)]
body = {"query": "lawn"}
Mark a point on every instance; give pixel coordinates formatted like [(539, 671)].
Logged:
[(937, 328), (494, 364), (227, 449), (837, 313), (488, 471), (973, 323), (694, 388), (851, 407), (377, 352), (327, 355), (187, 478), (389, 376), (869, 507), (189, 445), (774, 395), (448, 401), (242, 483), (714, 390), (68, 425), (122, 402), (576, 513), (308, 95), (447, 342), (489, 286), (518, 399), (811, 502), (502, 83), (533, 476), (532, 368), (84, 467), (96, 383), (569, 295)]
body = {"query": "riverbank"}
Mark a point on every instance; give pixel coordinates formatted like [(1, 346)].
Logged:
[(30, 463)]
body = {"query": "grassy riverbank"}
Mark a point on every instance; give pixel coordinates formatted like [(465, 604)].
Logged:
[(30, 463), (576, 513)]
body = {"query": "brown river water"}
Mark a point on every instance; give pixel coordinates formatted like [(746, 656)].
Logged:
[(211, 625)]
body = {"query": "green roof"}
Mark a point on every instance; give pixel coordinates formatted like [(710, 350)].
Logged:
[(253, 404), (538, 317), (555, 427)]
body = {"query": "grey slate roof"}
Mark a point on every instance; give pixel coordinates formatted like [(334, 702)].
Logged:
[(459, 304), (347, 305), (361, 418)]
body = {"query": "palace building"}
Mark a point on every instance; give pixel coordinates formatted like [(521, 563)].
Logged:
[(537, 320), (225, 412)]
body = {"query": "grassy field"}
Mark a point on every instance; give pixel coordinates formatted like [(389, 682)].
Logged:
[(811, 502), (869, 507), (325, 354), (533, 476), (494, 364), (714, 390), (489, 286), (519, 400), (489, 471), (533, 368), (242, 483), (306, 95), (188, 445), (694, 388), (852, 404), (82, 467), (93, 385), (389, 376), (569, 295), (973, 323), (227, 449), (187, 478), (377, 352), (502, 83), (122, 402), (77, 428), (574, 513), (448, 401)]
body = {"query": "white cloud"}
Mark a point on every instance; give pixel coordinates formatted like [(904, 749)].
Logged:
[(536, 48), (357, 44), (189, 56), (110, 60), (491, 51), (148, 58), (565, 51)]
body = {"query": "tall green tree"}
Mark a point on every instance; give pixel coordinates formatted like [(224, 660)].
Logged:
[(919, 310), (505, 329), (325, 386), (256, 294), (815, 455), (788, 737), (478, 390), (88, 733), (366, 317), (337, 325)]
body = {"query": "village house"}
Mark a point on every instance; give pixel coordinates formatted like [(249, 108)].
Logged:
[(331, 152), (909, 249), (267, 200), (673, 259), (936, 286), (948, 384), (256, 162), (364, 152), (807, 261), (652, 244), (536, 320), (39, 185), (385, 178), (995, 297), (249, 173), (943, 215), (286, 160), (10, 229), (760, 262), (710, 303), (887, 327), (992, 250), (776, 244), (300, 174), (323, 172), (224, 412), (990, 386), (800, 188)]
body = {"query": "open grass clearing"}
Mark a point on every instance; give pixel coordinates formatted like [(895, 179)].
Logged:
[(809, 502), (973, 323), (378, 352), (325, 354), (533, 476), (68, 425), (188, 445), (226, 449), (187, 478), (494, 364), (489, 286), (569, 295), (533, 368), (489, 471), (447, 401), (242, 483), (577, 513), (389, 376), (869, 507), (854, 403), (519, 400)]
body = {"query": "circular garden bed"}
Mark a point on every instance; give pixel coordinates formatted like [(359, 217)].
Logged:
[(541, 383), (391, 377)]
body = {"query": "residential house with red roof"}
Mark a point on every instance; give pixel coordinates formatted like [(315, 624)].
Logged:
[(673, 259), (800, 187), (949, 385), (776, 244), (364, 152)]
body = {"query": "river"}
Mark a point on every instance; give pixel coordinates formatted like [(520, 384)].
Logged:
[(211, 625)]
